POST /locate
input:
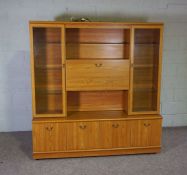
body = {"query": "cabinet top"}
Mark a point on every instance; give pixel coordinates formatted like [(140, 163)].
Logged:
[(113, 24)]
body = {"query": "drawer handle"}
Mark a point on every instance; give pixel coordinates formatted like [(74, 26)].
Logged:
[(147, 124), (82, 126), (49, 128), (115, 125), (98, 64)]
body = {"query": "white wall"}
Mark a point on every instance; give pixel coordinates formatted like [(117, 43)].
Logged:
[(15, 86)]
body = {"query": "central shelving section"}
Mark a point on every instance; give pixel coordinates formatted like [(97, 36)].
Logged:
[(97, 69)]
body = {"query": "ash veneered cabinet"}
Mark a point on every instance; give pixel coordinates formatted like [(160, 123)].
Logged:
[(95, 88)]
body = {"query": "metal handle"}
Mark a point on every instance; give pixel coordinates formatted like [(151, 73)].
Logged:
[(115, 125), (49, 128), (98, 64), (147, 124), (82, 126)]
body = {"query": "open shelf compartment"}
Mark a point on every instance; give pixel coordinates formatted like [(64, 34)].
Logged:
[(92, 43)]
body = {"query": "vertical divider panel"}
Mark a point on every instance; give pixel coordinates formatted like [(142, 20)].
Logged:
[(130, 92), (160, 67), (32, 70), (63, 47)]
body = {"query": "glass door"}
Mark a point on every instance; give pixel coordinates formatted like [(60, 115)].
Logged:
[(48, 71), (145, 70)]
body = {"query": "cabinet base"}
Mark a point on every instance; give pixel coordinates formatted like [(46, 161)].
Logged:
[(104, 152)]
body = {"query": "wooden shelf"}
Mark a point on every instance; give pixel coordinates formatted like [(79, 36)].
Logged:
[(143, 109), (102, 115), (49, 66), (143, 65), (143, 86), (98, 115), (146, 43), (49, 112), (97, 59), (48, 88), (77, 43), (48, 42)]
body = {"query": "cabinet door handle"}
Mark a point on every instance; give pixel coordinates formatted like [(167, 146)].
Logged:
[(98, 64), (82, 126), (115, 125), (49, 128), (147, 124)]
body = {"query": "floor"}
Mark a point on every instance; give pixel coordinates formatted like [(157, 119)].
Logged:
[(15, 159)]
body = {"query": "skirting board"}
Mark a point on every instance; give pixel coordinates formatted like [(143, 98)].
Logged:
[(140, 150)]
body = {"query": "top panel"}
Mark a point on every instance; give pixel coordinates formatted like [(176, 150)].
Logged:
[(94, 24)]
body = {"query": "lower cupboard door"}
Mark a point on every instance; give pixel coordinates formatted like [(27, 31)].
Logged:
[(114, 134), (145, 133), (49, 137), (82, 135)]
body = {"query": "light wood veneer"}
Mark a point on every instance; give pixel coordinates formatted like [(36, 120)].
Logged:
[(95, 88)]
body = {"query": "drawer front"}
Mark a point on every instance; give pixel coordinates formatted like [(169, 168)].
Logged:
[(49, 137), (97, 75), (82, 135)]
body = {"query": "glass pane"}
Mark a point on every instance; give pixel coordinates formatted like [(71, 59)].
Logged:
[(145, 73), (48, 70)]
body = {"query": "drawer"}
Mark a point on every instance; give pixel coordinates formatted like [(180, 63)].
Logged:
[(49, 137), (97, 75)]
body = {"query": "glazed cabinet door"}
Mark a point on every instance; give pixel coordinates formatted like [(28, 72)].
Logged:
[(82, 135), (145, 133), (49, 137), (145, 69), (48, 71)]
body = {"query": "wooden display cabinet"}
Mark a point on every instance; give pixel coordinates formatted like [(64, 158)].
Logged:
[(95, 88)]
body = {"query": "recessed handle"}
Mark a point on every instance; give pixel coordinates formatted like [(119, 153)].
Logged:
[(82, 126), (147, 124), (115, 125), (98, 64)]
